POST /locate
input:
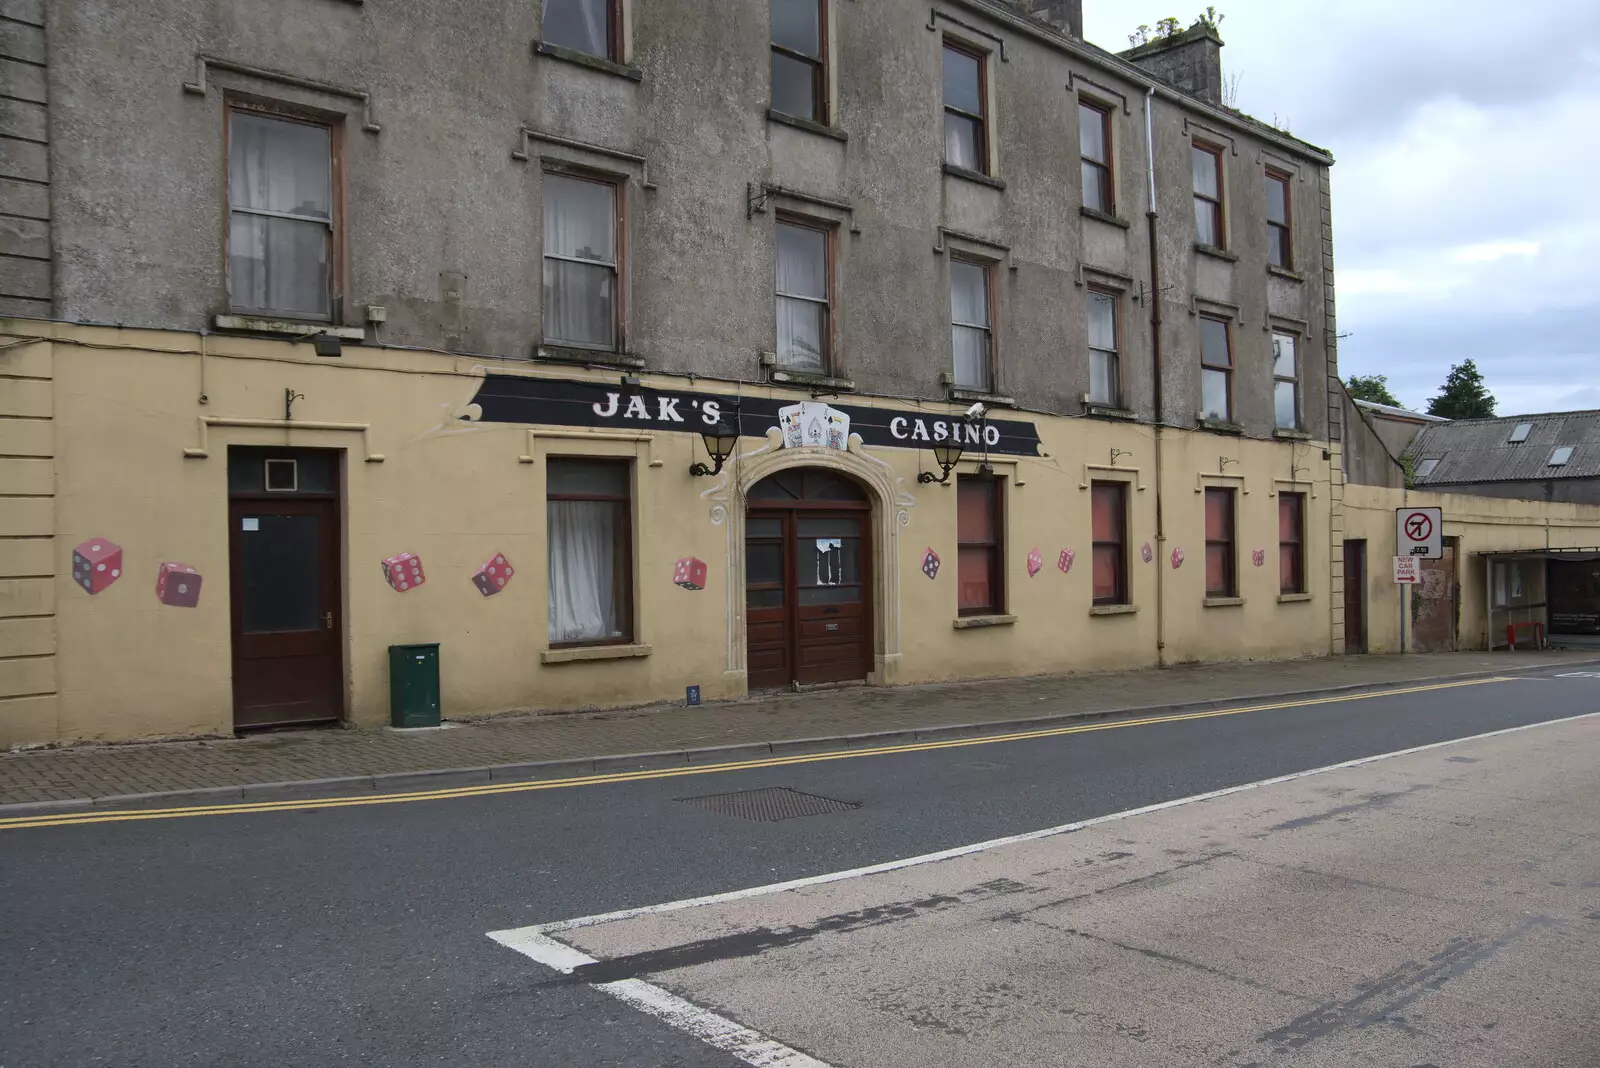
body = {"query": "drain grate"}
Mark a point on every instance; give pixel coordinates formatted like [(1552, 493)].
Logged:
[(770, 805)]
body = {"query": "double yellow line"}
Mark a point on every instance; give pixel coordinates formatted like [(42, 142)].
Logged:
[(123, 815)]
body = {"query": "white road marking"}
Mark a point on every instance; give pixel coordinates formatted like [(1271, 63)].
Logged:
[(756, 1049), (716, 1031)]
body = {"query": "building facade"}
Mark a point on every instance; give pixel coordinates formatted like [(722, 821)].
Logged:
[(337, 326)]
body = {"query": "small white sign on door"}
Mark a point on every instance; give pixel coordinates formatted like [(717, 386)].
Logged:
[(250, 522)]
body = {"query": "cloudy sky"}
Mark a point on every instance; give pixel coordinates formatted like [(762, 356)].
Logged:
[(1466, 193)]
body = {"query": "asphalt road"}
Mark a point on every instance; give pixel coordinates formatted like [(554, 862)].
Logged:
[(357, 934)]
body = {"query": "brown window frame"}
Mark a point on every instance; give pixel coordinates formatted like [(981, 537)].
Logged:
[(982, 119), (1226, 369), (1285, 227), (624, 551), (1230, 544), (995, 548), (993, 309), (1120, 595), (819, 69), (613, 31), (338, 240), (619, 208), (1118, 385), (1292, 579), (830, 233), (1219, 203), (1106, 167)]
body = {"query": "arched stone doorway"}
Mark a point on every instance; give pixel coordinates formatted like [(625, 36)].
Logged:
[(808, 553)]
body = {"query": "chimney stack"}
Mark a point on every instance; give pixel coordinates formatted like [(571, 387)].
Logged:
[(1064, 15), (1190, 61)]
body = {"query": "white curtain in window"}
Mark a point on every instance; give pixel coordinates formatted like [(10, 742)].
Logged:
[(279, 261), (583, 603), (969, 317), (802, 298), (580, 235)]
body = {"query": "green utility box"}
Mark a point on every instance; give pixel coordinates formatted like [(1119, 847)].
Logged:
[(414, 685)]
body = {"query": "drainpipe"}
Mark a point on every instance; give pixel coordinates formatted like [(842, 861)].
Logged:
[(1155, 367)]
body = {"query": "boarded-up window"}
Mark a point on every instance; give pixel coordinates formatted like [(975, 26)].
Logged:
[(1221, 559), (1291, 542), (1110, 543), (978, 538)]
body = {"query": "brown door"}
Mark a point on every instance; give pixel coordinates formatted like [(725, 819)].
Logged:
[(1433, 603), (808, 588), (284, 564), (1355, 596)]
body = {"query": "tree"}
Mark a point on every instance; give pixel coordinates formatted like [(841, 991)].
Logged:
[(1463, 395), (1374, 388)]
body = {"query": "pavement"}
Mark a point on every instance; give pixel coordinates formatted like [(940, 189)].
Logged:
[(1437, 908), (354, 929), (512, 748)]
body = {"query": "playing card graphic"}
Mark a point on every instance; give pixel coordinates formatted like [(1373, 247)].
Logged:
[(789, 422), (838, 429), (812, 424)]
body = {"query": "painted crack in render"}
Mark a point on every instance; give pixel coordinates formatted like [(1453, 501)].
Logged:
[(1382, 1000), (760, 940)]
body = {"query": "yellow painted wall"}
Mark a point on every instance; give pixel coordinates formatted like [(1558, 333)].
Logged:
[(1481, 523), (125, 406)]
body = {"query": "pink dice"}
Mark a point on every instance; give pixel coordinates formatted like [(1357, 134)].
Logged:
[(492, 577), (404, 572), (690, 573), (1064, 561), (178, 585), (96, 564), (1035, 562)]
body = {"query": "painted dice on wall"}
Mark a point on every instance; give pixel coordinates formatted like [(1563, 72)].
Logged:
[(404, 572), (1064, 562), (1258, 557), (1035, 562), (690, 573), (96, 564), (492, 577), (1146, 553), (1177, 559), (930, 563), (177, 585)]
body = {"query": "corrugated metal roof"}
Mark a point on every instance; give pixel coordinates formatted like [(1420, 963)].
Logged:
[(1479, 450)]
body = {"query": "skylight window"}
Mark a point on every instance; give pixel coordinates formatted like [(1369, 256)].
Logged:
[(1426, 467), (1519, 433), (1560, 457)]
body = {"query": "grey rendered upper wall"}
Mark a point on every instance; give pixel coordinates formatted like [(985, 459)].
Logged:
[(435, 194)]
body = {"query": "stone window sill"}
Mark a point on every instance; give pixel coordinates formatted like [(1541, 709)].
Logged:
[(263, 324), (1284, 272), (1213, 250), (584, 59), (593, 652), (1094, 213), (1221, 426), (566, 354), (997, 399), (973, 176), (975, 622), (805, 378), (1223, 602), (1113, 609), (1286, 598), (807, 125), (1106, 411), (1288, 434)]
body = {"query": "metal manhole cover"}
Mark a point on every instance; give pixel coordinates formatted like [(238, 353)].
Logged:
[(769, 805)]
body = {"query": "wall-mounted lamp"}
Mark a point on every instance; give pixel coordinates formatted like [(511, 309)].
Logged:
[(720, 441), (327, 345), (946, 455)]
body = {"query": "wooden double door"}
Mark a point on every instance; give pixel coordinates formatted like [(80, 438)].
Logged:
[(808, 581)]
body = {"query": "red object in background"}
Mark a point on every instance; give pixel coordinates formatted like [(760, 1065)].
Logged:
[(96, 564), (1035, 562), (492, 577), (1064, 562), (1534, 627), (690, 573), (1177, 559), (178, 585), (404, 572)]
